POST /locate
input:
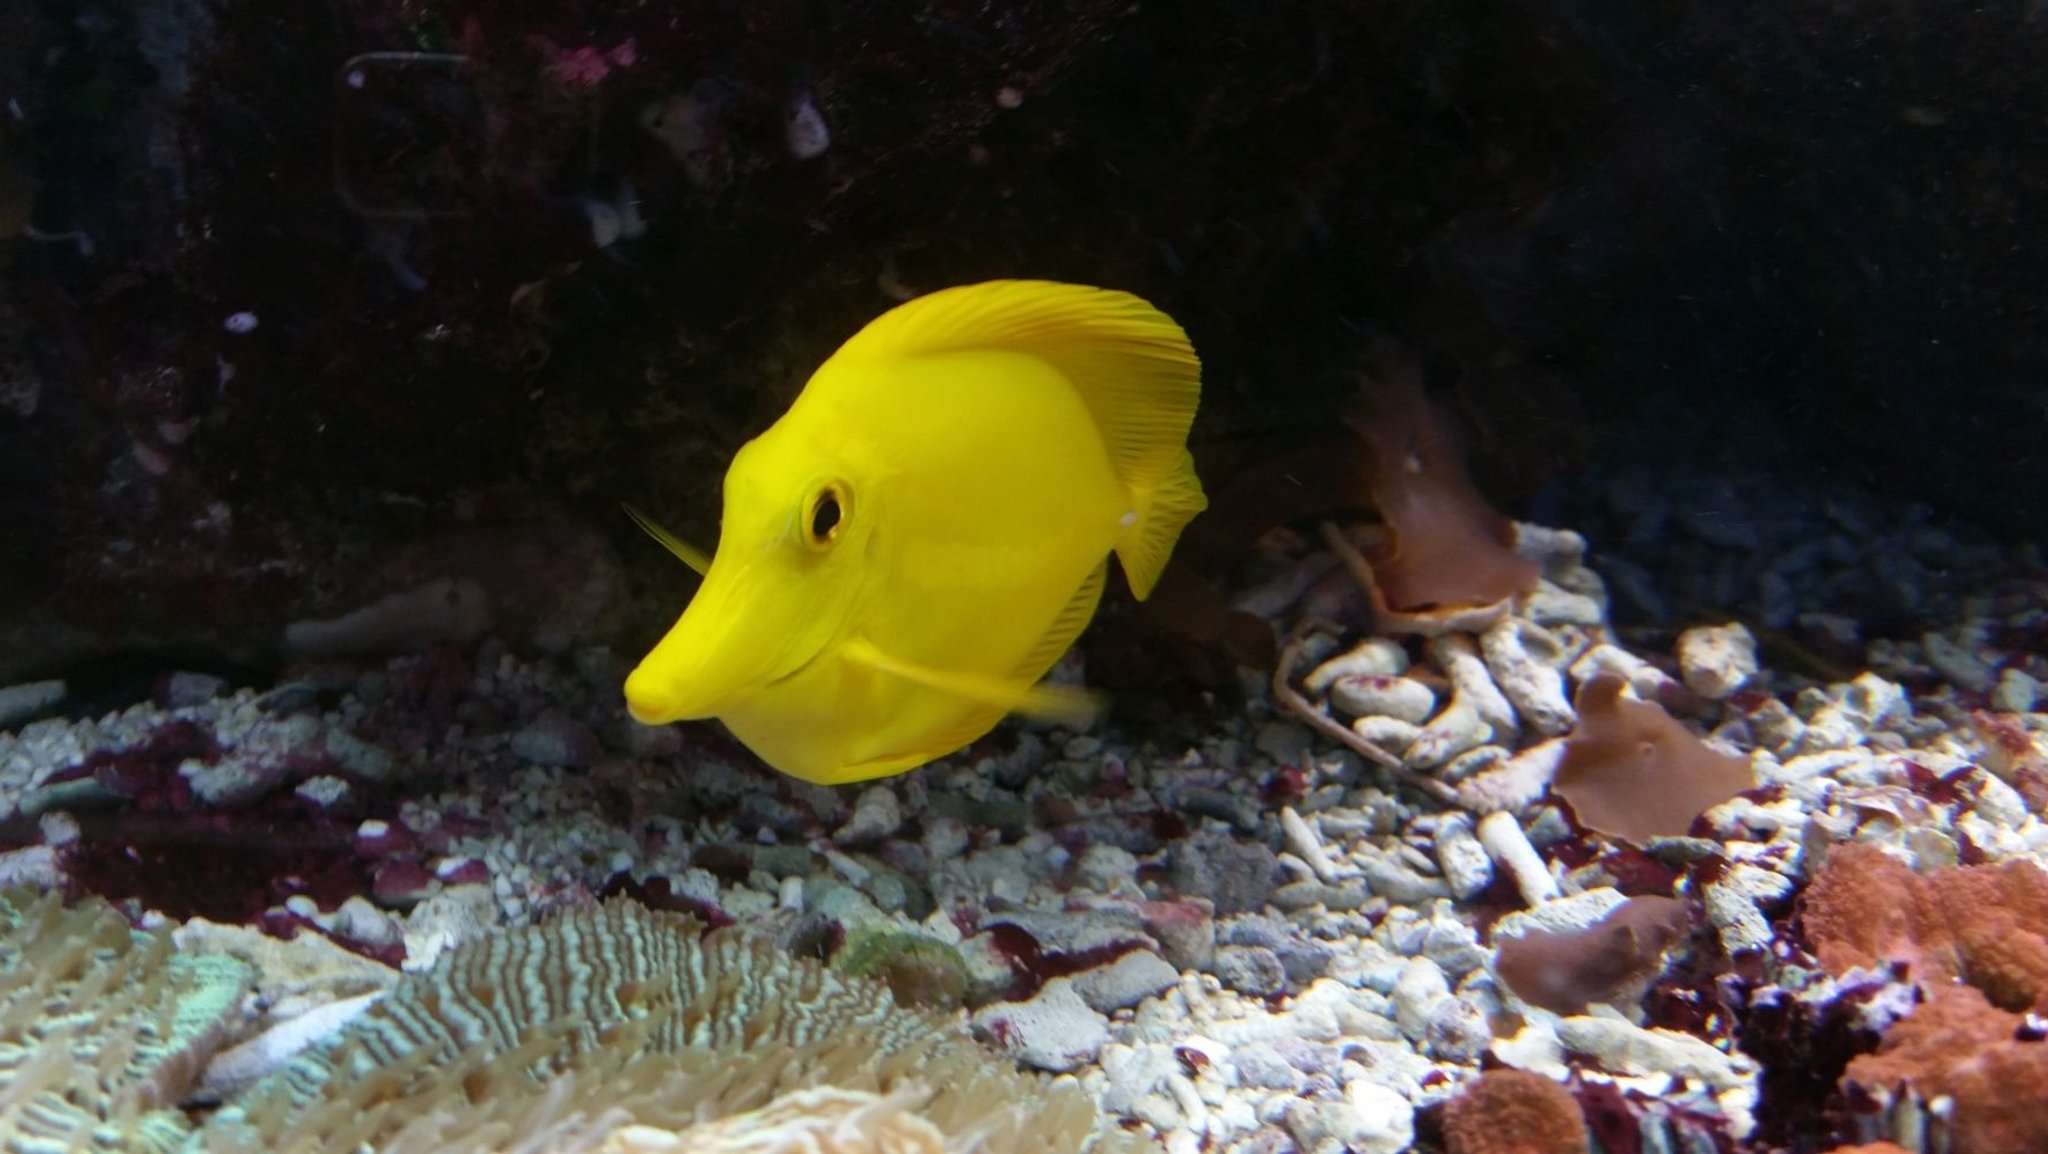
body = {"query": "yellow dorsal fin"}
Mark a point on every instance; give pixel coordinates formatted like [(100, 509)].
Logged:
[(1131, 364), (1080, 610), (685, 552), (1059, 703)]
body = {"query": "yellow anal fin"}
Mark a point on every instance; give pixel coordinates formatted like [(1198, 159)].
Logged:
[(1079, 611), (1059, 703), (685, 552)]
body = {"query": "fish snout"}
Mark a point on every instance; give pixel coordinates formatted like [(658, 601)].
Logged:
[(654, 698)]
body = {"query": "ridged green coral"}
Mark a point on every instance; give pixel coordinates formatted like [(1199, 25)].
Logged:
[(102, 1028), (617, 1029), (611, 1030)]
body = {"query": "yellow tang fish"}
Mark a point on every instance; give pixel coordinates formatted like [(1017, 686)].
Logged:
[(907, 551)]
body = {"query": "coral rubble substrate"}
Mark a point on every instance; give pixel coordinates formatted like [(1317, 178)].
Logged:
[(1246, 937)]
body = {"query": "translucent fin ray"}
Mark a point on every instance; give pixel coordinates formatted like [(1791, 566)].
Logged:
[(1147, 545), (1080, 609), (1058, 703), (1131, 364), (685, 552)]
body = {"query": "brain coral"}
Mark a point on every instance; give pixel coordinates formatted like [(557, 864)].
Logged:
[(620, 1029), (102, 1028), (1514, 1112)]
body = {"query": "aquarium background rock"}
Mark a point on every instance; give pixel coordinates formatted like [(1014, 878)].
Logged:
[(294, 325)]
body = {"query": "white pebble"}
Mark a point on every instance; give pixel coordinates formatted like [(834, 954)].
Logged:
[(1732, 906), (1776, 727), (1715, 660), (1548, 604), (1645, 679), (1307, 844), (1465, 863), (1385, 1120), (1561, 551), (1192, 1108), (2017, 692), (1534, 1048), (1559, 915), (1375, 695), (60, 828), (877, 814), (1459, 658), (1874, 701), (1055, 1031), (1516, 783), (945, 838), (1810, 765), (1503, 838), (1999, 802), (1373, 657), (1107, 869), (1958, 662), (1454, 730), (1529, 682), (1389, 733), (1621, 1046), (1416, 994)]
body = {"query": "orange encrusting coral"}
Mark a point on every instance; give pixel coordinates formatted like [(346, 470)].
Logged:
[(1984, 925), (1631, 771), (1448, 547), (1514, 1112), (1961, 1047)]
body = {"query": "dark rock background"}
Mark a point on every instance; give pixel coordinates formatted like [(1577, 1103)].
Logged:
[(340, 331)]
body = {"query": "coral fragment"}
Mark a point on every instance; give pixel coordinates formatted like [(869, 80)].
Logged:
[(605, 1027)]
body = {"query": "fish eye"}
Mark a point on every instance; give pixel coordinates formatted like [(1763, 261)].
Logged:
[(826, 515)]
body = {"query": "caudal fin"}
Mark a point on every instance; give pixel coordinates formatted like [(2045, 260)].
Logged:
[(1161, 515)]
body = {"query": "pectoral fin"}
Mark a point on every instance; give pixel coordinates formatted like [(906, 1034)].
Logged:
[(1059, 703), (685, 552)]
